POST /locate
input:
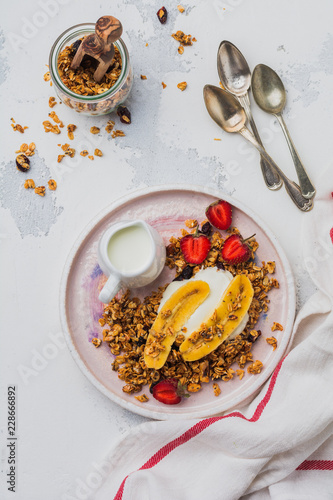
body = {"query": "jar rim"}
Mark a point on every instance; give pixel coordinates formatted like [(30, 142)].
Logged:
[(84, 29)]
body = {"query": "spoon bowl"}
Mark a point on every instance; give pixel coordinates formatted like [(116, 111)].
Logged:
[(268, 89), (234, 72), (225, 110)]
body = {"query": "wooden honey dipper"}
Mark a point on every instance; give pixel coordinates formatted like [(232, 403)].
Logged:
[(99, 45)]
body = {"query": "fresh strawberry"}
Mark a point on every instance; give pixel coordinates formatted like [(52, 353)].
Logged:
[(219, 214), (236, 250), (195, 247), (169, 391)]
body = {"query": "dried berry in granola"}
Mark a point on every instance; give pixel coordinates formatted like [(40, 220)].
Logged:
[(124, 114), (162, 15), (22, 162)]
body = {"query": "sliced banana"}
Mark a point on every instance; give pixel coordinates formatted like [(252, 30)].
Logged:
[(229, 313), (170, 319)]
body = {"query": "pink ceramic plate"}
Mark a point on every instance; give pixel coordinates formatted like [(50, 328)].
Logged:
[(166, 209)]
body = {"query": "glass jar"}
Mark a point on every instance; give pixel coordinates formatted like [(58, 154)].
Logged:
[(100, 104)]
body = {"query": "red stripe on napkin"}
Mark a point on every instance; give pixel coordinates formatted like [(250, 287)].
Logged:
[(202, 425), (316, 465)]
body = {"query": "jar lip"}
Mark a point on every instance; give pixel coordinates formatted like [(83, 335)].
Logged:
[(84, 28)]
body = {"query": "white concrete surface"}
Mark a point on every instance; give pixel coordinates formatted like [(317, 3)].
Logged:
[(65, 426)]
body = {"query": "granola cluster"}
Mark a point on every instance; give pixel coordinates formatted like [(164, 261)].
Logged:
[(81, 81), (17, 127), (127, 322)]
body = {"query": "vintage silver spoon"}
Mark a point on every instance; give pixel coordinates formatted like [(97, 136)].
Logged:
[(270, 95), (235, 76), (227, 112)]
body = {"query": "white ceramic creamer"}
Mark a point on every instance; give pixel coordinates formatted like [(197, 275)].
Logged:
[(132, 254)]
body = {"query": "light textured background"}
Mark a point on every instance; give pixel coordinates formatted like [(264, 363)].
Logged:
[(65, 427)]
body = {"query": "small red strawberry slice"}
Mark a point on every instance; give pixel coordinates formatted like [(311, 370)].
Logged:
[(166, 391), (195, 247), (219, 214), (236, 250)]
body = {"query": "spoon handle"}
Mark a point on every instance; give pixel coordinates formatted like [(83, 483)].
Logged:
[(292, 188), (306, 185), (271, 177)]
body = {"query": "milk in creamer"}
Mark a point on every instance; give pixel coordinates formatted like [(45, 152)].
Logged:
[(130, 249)]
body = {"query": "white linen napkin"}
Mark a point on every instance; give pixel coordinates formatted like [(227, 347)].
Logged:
[(281, 445)]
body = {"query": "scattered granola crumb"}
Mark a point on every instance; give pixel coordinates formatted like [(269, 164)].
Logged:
[(216, 389), (95, 130), (47, 76), (194, 39), (163, 85), (147, 44), (55, 118), (255, 368), (96, 342), (68, 150), (182, 86), (180, 8), (84, 153), (142, 398), (70, 131), (91, 157), (98, 152), (48, 127), (52, 102), (183, 39), (29, 184), (60, 158), (118, 133), (31, 149), (18, 128), (52, 184), (191, 223), (277, 326), (181, 49), (240, 373), (28, 150), (272, 341), (109, 126), (143, 77), (40, 190), (217, 139)]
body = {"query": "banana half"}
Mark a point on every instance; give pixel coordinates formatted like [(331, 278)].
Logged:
[(170, 319), (229, 313)]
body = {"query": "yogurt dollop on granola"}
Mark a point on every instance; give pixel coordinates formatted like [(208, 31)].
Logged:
[(218, 280)]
